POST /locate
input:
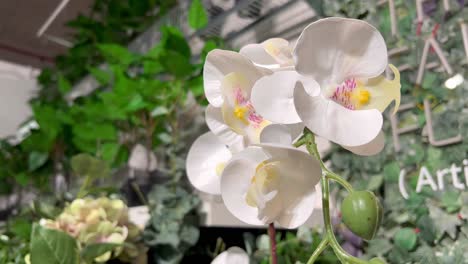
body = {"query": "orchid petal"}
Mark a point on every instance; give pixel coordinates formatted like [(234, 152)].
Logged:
[(332, 121), (272, 53), (205, 162), (300, 173), (220, 63), (372, 148), (234, 255), (272, 96), (334, 49), (384, 91), (215, 122), (235, 182), (281, 134), (290, 204)]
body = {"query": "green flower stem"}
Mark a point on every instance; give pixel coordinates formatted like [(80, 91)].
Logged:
[(338, 179), (320, 248), (330, 240)]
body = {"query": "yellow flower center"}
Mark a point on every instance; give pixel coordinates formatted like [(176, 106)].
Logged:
[(264, 184), (240, 112), (220, 168)]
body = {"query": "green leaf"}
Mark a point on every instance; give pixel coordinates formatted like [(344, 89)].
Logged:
[(103, 77), (36, 160), (392, 172), (116, 53), (87, 165), (375, 182), (378, 247), (445, 223), (22, 179), (406, 238), (190, 235), (52, 247), (197, 16), (64, 85), (450, 201), (109, 151), (92, 251), (21, 228)]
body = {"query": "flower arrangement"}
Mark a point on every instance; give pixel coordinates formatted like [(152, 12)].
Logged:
[(101, 223), (269, 102)]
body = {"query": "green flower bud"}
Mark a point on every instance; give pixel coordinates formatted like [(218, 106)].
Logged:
[(362, 213)]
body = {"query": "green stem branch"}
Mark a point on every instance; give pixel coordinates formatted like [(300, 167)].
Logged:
[(320, 248)]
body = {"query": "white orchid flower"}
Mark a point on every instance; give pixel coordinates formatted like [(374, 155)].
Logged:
[(234, 255), (205, 163), (337, 90), (271, 183), (228, 81), (274, 53)]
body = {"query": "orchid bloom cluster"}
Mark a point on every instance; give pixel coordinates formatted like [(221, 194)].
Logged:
[(101, 220), (260, 99)]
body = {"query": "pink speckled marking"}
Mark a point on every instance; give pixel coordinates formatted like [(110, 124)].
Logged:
[(343, 92), (254, 118)]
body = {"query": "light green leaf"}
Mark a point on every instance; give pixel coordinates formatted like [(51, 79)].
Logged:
[(445, 223), (197, 16), (92, 251), (406, 238), (375, 182), (52, 247), (116, 54)]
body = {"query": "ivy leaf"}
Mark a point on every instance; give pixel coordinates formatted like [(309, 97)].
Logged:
[(445, 223), (92, 251), (197, 16), (52, 247), (425, 254), (406, 238), (450, 201), (427, 228)]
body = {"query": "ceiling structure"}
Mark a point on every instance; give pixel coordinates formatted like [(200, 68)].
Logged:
[(20, 21)]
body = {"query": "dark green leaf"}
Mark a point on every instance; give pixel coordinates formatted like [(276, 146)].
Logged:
[(36, 160)]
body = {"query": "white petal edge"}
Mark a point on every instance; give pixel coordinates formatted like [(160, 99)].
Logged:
[(372, 148), (219, 63), (334, 49), (205, 154), (272, 96), (234, 255), (257, 54), (302, 173), (336, 123), (215, 122)]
